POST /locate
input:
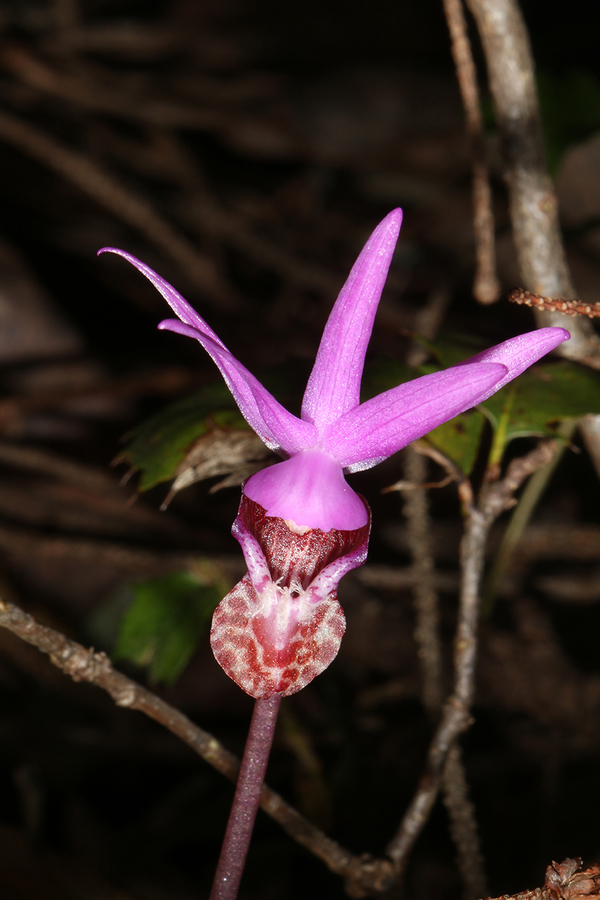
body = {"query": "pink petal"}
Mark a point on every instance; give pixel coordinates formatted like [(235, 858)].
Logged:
[(178, 304), (334, 384), (518, 353), (381, 426), (277, 427)]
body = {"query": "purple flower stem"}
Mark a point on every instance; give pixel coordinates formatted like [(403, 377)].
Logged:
[(246, 800)]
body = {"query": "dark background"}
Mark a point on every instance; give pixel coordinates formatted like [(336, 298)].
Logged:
[(272, 137)]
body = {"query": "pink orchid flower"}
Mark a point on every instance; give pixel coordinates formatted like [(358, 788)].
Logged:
[(300, 525)]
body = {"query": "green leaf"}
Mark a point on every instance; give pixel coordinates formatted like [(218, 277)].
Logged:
[(383, 374), (534, 404), (166, 620), (459, 439), (159, 445), (544, 396), (570, 108)]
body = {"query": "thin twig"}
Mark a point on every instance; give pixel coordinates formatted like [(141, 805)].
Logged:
[(429, 647), (486, 286), (566, 307), (463, 824), (122, 202), (520, 518), (533, 204), (495, 497), (362, 874)]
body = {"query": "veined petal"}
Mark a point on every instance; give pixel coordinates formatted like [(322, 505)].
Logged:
[(518, 353), (178, 304), (369, 434), (334, 384), (278, 428)]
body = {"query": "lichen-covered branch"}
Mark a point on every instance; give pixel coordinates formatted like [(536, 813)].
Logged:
[(363, 875)]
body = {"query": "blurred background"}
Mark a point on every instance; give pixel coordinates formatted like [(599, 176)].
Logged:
[(245, 150)]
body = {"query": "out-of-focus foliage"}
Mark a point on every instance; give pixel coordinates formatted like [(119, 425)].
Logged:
[(570, 107), (159, 445), (533, 405), (163, 625)]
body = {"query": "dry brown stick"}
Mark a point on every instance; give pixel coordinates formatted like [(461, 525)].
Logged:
[(486, 286), (429, 648), (461, 812), (463, 826), (122, 202), (83, 664), (79, 87), (495, 497), (163, 382), (557, 304), (533, 204), (534, 212)]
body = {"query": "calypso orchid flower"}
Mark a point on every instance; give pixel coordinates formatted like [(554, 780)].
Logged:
[(300, 525)]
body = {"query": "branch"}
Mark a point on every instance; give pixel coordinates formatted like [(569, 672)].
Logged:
[(486, 287), (122, 202), (461, 812), (363, 875), (494, 499), (533, 203), (426, 601)]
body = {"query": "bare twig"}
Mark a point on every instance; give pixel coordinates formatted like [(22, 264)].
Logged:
[(463, 825), (161, 382), (91, 90), (363, 875), (566, 307), (416, 512), (122, 202), (465, 490), (533, 203), (495, 497), (521, 516), (486, 287)]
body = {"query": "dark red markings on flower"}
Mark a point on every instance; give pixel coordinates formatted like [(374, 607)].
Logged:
[(274, 635), (248, 650), (297, 558)]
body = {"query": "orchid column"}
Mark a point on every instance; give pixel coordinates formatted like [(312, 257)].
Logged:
[(300, 525)]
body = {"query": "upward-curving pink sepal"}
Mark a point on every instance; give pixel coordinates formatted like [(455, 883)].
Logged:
[(334, 384)]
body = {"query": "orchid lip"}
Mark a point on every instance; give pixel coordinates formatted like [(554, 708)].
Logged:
[(282, 624)]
